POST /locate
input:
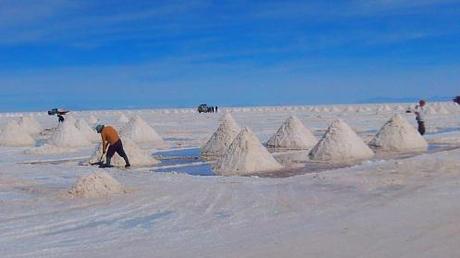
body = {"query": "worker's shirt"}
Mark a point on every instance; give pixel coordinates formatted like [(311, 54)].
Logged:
[(110, 135), (419, 113)]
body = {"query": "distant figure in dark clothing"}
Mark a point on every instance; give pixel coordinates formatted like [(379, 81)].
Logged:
[(111, 139), (217, 109), (60, 118), (212, 109), (419, 112)]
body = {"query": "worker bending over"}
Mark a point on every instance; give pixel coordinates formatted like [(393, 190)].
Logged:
[(111, 139)]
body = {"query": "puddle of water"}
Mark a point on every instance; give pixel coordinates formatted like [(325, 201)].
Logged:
[(182, 157)]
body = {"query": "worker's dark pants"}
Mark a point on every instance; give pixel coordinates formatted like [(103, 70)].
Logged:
[(421, 127), (118, 148)]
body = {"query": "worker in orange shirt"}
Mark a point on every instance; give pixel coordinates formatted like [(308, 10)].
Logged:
[(111, 139)]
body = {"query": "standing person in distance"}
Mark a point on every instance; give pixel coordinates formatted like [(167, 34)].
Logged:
[(420, 112)]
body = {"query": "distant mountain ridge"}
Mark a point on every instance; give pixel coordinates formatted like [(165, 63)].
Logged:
[(403, 99)]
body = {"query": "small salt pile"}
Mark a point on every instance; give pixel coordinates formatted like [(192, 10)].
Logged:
[(96, 185), (30, 125), (142, 133), (86, 130), (292, 135), (15, 136), (68, 135), (221, 138), (137, 157), (442, 110), (340, 144), (246, 155), (123, 119), (398, 135), (92, 119)]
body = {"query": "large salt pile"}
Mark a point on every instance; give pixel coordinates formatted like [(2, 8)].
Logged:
[(86, 130), (292, 135), (96, 185), (140, 132), (30, 125), (398, 135), (221, 138), (246, 155), (137, 156), (68, 135), (442, 110), (123, 119), (15, 136), (340, 144)]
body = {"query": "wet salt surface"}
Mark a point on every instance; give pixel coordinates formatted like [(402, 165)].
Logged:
[(187, 161)]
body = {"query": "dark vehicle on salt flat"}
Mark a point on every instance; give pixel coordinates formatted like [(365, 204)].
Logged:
[(457, 100), (204, 108)]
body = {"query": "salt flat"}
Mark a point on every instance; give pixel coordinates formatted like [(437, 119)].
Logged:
[(395, 207)]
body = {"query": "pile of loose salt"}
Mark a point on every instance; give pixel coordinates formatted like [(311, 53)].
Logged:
[(340, 144), (123, 119), (30, 125), (398, 135), (14, 135), (142, 133), (137, 157), (292, 135), (221, 138), (68, 135), (92, 119), (86, 130), (96, 185), (245, 155)]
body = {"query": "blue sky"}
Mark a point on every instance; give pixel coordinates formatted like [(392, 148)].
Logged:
[(91, 54)]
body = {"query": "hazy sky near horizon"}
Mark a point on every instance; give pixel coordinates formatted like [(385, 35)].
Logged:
[(116, 54)]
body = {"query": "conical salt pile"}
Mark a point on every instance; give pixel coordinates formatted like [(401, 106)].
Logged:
[(92, 119), (14, 136), (123, 119), (96, 185), (68, 135), (292, 135), (442, 110), (30, 125), (137, 157), (340, 144), (400, 136), (221, 138), (140, 132), (86, 130), (246, 155)]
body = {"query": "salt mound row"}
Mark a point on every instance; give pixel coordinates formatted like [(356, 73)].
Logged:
[(30, 125), (442, 110), (400, 136), (137, 157), (96, 185), (123, 119), (292, 135), (140, 132), (221, 138), (92, 119), (86, 130), (68, 135), (15, 136), (246, 155), (340, 144)]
